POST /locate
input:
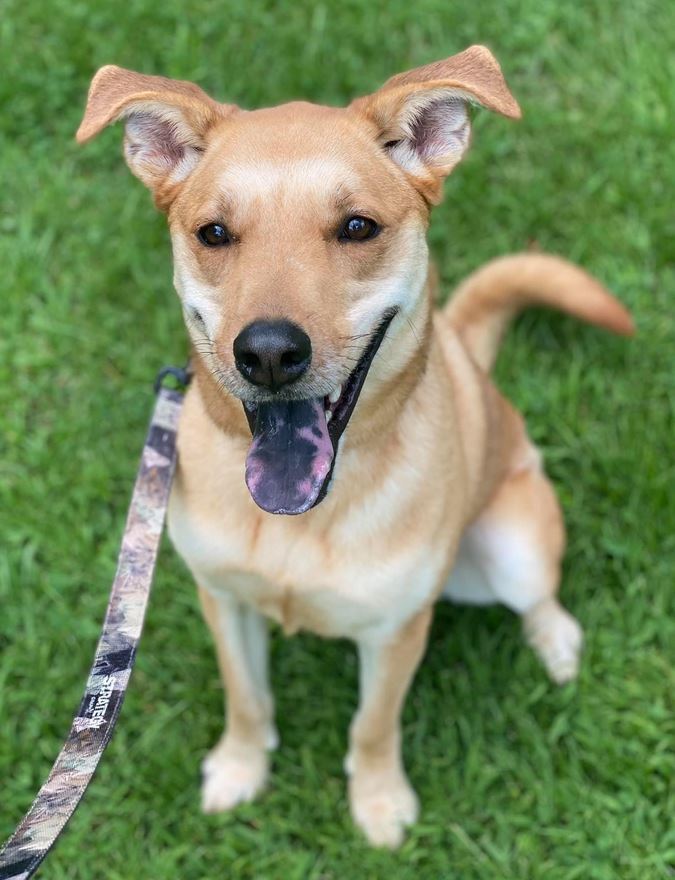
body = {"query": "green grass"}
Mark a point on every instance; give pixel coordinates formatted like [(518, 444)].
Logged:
[(517, 779)]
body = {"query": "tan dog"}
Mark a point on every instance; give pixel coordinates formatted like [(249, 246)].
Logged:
[(301, 264)]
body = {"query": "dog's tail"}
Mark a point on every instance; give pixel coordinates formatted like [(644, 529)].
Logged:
[(483, 304)]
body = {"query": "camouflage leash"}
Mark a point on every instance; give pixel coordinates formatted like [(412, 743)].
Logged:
[(110, 672)]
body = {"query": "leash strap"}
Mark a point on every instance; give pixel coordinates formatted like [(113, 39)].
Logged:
[(115, 654)]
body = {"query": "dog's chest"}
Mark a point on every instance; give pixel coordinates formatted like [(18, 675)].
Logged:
[(363, 562), (330, 584)]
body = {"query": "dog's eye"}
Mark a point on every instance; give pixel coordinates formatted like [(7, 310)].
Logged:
[(213, 235), (359, 229)]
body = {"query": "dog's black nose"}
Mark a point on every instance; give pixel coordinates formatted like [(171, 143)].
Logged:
[(272, 353)]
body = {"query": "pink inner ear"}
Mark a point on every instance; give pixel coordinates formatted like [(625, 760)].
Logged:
[(152, 138), (440, 129)]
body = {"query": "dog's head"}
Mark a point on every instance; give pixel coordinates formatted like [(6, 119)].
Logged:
[(299, 241)]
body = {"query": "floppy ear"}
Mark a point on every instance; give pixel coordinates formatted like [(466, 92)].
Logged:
[(166, 124), (422, 116)]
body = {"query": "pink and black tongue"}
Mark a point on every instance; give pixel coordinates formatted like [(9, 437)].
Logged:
[(290, 460), (291, 455)]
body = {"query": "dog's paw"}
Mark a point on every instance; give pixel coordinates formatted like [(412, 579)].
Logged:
[(232, 776), (557, 638), (383, 808)]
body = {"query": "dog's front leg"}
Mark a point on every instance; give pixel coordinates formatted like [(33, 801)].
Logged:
[(381, 798), (236, 769)]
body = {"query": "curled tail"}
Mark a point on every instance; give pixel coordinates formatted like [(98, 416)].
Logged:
[(483, 304)]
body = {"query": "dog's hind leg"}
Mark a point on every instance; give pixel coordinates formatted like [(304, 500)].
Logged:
[(236, 769), (511, 554)]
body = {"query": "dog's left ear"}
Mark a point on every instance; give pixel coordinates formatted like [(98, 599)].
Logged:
[(422, 117)]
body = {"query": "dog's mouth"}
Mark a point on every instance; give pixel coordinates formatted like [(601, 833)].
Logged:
[(291, 458)]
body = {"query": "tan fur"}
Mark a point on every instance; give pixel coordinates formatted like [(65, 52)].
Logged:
[(485, 302), (437, 488)]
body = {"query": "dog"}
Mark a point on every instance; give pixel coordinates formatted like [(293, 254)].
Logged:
[(344, 457)]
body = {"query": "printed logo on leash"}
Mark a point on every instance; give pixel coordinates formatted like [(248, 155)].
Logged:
[(98, 705), (92, 714)]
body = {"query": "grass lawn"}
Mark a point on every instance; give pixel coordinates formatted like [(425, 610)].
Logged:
[(517, 778)]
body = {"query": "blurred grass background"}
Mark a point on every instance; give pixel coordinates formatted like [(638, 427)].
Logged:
[(517, 779)]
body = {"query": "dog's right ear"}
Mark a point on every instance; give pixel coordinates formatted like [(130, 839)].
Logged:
[(166, 124)]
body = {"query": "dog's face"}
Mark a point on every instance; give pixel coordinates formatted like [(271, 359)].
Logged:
[(299, 242), (293, 221)]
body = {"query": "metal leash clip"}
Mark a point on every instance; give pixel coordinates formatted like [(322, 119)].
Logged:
[(182, 376)]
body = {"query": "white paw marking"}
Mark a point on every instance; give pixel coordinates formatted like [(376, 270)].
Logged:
[(231, 777), (384, 811), (557, 638)]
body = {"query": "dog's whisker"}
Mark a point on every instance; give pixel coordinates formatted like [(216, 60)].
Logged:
[(414, 329)]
